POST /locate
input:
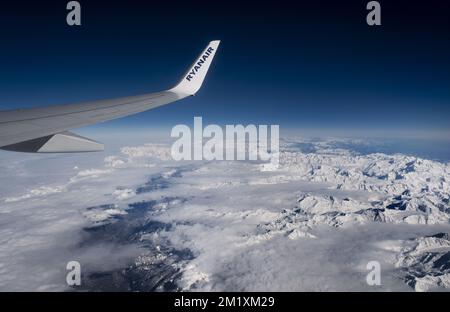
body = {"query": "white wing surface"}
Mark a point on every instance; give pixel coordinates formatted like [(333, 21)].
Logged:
[(45, 129)]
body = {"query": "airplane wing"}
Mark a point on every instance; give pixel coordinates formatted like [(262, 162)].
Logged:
[(45, 129)]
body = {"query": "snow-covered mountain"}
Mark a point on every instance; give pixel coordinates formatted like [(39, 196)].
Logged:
[(400, 188), (312, 223)]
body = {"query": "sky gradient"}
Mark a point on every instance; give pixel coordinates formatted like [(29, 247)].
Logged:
[(309, 65)]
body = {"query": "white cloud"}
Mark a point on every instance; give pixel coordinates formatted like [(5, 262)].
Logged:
[(311, 224)]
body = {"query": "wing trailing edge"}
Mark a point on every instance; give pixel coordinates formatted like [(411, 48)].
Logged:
[(64, 142)]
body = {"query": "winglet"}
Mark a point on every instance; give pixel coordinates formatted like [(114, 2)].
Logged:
[(193, 79)]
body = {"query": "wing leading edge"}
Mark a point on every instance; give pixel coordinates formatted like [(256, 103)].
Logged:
[(44, 129)]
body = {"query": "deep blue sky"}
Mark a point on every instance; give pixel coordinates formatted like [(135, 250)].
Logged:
[(311, 65)]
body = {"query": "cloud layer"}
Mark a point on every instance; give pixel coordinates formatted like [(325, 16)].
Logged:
[(312, 224)]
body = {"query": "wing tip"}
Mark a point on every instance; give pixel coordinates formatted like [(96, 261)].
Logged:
[(194, 77)]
